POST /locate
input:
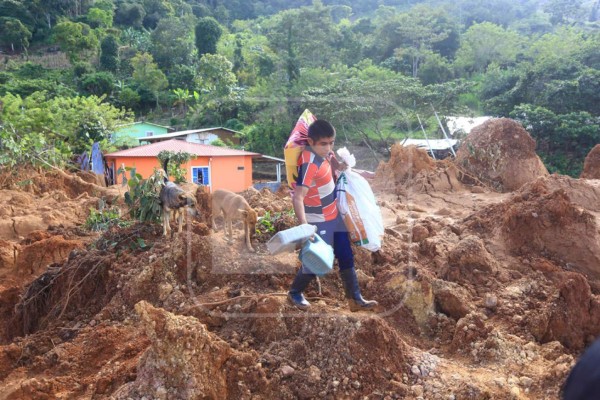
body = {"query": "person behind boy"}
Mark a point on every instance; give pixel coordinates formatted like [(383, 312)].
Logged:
[(314, 203)]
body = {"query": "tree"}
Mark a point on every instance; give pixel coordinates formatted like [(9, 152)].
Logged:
[(12, 32), (18, 10), (371, 109), (172, 43), (419, 30), (74, 38), (147, 73), (238, 57), (98, 18), (182, 96), (564, 11), (216, 76), (109, 54), (362, 106), (269, 136), (131, 15), (208, 31), (307, 36), (155, 11), (106, 5), (38, 130), (138, 40), (555, 76), (182, 77), (128, 98), (217, 84), (171, 161), (485, 43), (98, 83)]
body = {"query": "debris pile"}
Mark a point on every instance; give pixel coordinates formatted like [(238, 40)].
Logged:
[(412, 169)]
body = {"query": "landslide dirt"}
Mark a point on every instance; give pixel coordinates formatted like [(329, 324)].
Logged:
[(591, 165), (483, 295), (501, 153)]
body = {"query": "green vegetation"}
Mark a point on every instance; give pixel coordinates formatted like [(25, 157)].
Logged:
[(173, 160), (142, 198), (104, 218), (255, 65)]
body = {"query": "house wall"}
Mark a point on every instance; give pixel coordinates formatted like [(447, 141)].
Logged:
[(226, 135), (201, 138), (139, 130), (224, 171)]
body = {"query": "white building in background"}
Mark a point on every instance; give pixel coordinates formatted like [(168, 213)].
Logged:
[(464, 124)]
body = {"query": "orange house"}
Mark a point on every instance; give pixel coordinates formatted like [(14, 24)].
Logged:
[(215, 167)]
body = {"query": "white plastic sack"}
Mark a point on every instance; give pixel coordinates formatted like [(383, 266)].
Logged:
[(359, 209), (287, 240)]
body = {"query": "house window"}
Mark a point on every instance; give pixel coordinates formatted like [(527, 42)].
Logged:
[(240, 168), (200, 176)]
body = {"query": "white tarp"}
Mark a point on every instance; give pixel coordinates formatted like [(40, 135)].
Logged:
[(463, 123), (434, 144)]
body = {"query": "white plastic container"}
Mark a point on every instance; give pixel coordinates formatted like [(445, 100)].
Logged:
[(317, 256), (288, 240)]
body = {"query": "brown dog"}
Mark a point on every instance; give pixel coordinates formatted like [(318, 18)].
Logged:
[(173, 198), (234, 207)]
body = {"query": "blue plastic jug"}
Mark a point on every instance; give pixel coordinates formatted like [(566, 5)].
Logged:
[(317, 256)]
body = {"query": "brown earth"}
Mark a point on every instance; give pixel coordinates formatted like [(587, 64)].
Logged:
[(500, 153), (411, 169), (591, 165), (482, 295)]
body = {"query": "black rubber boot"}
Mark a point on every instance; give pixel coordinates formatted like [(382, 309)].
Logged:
[(300, 283), (355, 299)]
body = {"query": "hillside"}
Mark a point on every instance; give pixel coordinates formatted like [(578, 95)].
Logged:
[(379, 71)]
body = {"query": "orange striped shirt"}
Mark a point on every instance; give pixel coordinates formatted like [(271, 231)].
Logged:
[(315, 173)]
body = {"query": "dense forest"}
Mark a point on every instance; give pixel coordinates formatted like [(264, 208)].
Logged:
[(71, 70)]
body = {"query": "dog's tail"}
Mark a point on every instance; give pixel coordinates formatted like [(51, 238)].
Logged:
[(164, 166)]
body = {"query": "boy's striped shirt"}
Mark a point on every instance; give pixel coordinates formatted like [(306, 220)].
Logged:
[(315, 173)]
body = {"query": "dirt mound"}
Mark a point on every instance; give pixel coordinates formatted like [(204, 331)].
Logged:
[(549, 223), (184, 361), (23, 213), (583, 193), (572, 317), (470, 261), (502, 154), (8, 255), (591, 165), (542, 220), (35, 257), (411, 169), (265, 201), (91, 177)]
